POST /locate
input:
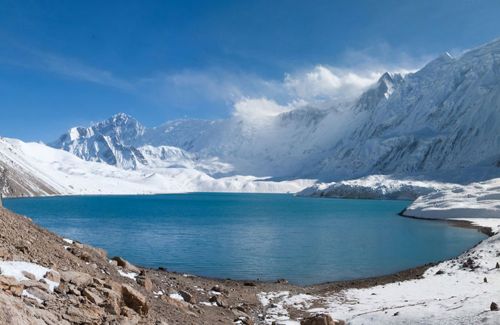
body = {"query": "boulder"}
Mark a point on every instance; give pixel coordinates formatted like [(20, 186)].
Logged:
[(5, 254), (92, 296), (134, 300), (35, 284), (144, 281), (29, 275), (77, 278), (126, 264), (320, 319), (218, 288), (494, 306), (219, 301), (8, 283), (187, 296), (39, 293)]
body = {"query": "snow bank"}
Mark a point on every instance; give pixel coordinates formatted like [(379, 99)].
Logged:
[(476, 200), (16, 268), (376, 187)]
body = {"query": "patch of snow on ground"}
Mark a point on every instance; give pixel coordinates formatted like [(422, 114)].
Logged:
[(176, 296), (16, 268), (130, 275), (476, 200), (69, 241), (276, 304)]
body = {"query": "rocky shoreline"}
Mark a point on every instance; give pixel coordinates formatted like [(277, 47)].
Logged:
[(80, 284)]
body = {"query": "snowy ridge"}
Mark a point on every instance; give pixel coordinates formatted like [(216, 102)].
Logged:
[(44, 171), (376, 187), (476, 200)]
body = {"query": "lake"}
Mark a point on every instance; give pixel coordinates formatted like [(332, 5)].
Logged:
[(252, 236)]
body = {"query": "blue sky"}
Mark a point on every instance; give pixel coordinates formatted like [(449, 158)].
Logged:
[(66, 63)]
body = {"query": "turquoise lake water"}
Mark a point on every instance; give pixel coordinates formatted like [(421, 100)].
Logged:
[(252, 236)]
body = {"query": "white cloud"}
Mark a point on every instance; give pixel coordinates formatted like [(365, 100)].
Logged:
[(256, 109), (247, 95), (327, 83)]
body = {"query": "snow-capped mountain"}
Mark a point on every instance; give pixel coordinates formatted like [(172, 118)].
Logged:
[(30, 169), (108, 141), (442, 121)]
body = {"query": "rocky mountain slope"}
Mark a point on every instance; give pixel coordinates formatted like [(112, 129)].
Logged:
[(441, 121)]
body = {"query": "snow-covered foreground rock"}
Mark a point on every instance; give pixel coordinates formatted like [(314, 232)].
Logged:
[(36, 169), (458, 291), (377, 187), (476, 200)]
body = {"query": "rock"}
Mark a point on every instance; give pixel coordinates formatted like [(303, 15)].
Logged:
[(282, 281), (98, 282), (320, 319), (144, 281), (494, 306), (181, 305), (469, 263), (74, 290), (83, 314), (219, 300), (497, 266), (39, 293), (439, 272), (77, 278), (5, 255), (244, 320), (485, 280), (29, 275), (187, 296), (134, 300), (126, 265), (113, 299), (35, 284), (249, 284), (92, 296), (115, 286), (62, 288), (8, 283), (238, 313)]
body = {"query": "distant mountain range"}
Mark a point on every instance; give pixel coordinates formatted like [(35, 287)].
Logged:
[(442, 121), (439, 123)]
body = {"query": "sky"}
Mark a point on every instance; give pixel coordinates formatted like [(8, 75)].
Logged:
[(69, 63)]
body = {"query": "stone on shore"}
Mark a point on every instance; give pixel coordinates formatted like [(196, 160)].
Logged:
[(77, 278), (320, 319), (126, 264), (134, 300), (8, 283)]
